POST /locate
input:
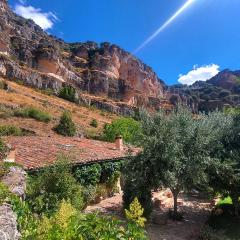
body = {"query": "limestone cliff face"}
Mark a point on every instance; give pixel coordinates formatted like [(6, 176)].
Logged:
[(29, 54), (114, 73)]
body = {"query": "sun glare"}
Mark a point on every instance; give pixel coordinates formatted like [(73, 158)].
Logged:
[(165, 25)]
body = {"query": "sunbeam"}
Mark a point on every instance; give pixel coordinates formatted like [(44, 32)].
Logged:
[(166, 24)]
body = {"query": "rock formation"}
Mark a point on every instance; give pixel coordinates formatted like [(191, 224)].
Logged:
[(16, 181), (29, 54), (103, 74)]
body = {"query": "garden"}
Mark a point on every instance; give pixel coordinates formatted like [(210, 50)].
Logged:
[(182, 152)]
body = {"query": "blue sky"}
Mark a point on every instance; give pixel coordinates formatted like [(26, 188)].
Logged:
[(204, 39)]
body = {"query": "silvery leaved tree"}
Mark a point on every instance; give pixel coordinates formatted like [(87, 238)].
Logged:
[(225, 172), (177, 150)]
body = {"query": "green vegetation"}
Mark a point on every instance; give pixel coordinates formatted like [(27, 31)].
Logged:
[(48, 188), (66, 126), (99, 180), (67, 223), (94, 123), (3, 149), (128, 128), (88, 175), (174, 147), (224, 173), (52, 210), (3, 85), (135, 213), (68, 93), (10, 130), (34, 113)]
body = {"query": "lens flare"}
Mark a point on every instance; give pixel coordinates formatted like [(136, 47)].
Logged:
[(165, 25)]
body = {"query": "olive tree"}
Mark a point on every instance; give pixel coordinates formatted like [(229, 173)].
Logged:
[(225, 172), (177, 150)]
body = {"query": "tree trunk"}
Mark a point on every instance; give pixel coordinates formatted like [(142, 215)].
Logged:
[(175, 193), (235, 201)]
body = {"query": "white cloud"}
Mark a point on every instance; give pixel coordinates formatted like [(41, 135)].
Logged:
[(44, 19), (202, 73)]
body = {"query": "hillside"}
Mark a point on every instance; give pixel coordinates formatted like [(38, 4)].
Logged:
[(29, 54), (103, 75), (20, 97), (221, 91)]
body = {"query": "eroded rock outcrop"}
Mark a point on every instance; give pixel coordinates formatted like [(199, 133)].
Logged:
[(8, 223), (16, 181), (29, 54)]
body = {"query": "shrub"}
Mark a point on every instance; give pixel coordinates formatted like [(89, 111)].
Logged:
[(68, 224), (4, 193), (68, 93), (94, 123), (135, 213), (8, 130), (3, 85), (88, 175), (128, 128), (143, 193), (34, 113), (109, 171), (48, 188), (3, 149), (66, 126)]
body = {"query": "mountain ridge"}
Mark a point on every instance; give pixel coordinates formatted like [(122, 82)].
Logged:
[(104, 75)]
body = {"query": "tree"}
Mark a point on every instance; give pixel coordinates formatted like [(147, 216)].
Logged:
[(225, 173), (128, 128), (66, 126), (176, 150)]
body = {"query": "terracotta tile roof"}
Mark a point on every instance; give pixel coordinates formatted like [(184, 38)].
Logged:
[(37, 152)]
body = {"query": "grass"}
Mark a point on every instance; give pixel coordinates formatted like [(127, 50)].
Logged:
[(23, 97), (10, 130), (34, 113)]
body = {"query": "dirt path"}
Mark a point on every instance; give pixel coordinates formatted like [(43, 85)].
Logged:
[(160, 228)]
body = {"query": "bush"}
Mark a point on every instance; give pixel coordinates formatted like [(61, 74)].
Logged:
[(48, 188), (3, 149), (34, 113), (94, 123), (66, 126), (88, 175), (144, 195), (135, 213), (10, 130), (67, 223), (128, 128), (3, 85), (4, 193), (68, 93)]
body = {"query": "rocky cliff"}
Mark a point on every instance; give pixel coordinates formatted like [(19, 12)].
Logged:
[(104, 75), (221, 91), (29, 54)]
